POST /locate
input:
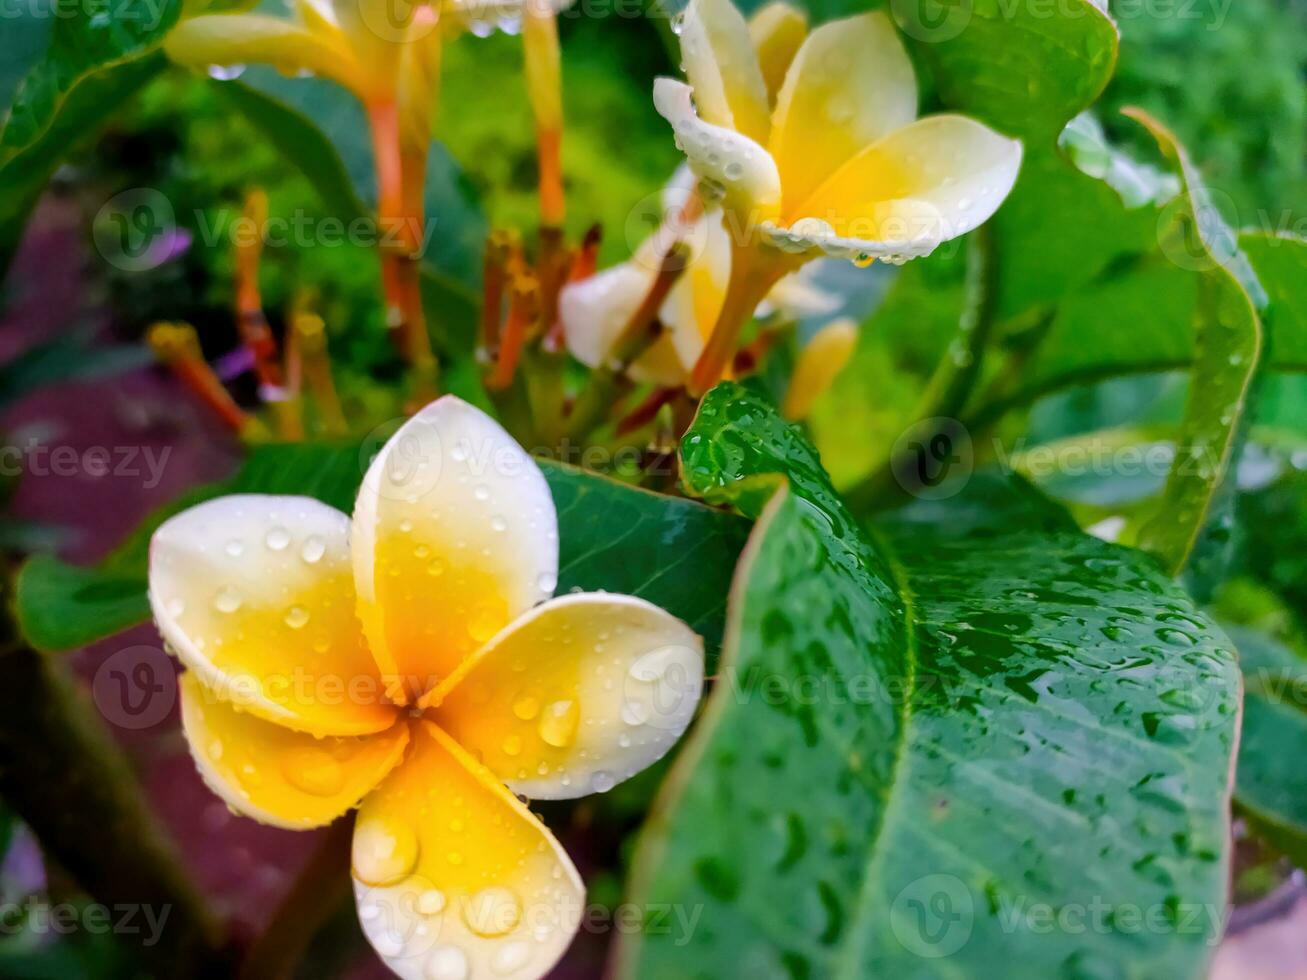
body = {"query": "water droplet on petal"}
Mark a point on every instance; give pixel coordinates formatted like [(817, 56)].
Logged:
[(235, 548), (558, 723), (297, 617), (526, 708), (447, 963), (602, 782), (431, 902), (492, 912), (510, 957), (512, 745), (314, 548), (314, 771), (384, 851), (277, 538), (228, 600)]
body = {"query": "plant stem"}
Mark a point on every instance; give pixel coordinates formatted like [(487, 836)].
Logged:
[(755, 270), (63, 775), (955, 377), (319, 889)]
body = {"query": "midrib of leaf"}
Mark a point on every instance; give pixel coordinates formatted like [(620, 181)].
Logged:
[(865, 900)]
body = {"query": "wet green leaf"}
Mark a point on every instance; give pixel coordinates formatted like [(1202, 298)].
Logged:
[(929, 739), (674, 552), (1271, 784), (1228, 350), (1024, 68)]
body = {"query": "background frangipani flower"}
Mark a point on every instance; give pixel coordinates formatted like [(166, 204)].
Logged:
[(410, 662), (839, 165)]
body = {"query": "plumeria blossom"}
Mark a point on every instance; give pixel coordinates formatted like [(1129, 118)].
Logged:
[(595, 311), (835, 163), (411, 662)]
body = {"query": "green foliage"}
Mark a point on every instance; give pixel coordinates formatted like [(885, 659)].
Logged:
[(1013, 66), (1243, 115), (994, 709), (673, 552)]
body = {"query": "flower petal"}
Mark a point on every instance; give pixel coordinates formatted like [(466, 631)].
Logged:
[(737, 165), (922, 185), (850, 84), (723, 68), (454, 877), (691, 309), (256, 595), (581, 693), (277, 776), (239, 39), (595, 311), (455, 536), (777, 31)]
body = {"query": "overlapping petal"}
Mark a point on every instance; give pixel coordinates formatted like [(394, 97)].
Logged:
[(850, 84), (255, 594), (582, 693), (740, 167), (238, 39), (455, 535), (278, 776), (777, 32), (454, 877), (595, 311), (923, 184), (723, 68)]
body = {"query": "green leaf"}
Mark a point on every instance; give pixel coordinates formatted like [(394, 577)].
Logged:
[(1280, 262), (1271, 784), (89, 106), (676, 553), (1025, 69), (928, 739), (81, 46), (1228, 350)]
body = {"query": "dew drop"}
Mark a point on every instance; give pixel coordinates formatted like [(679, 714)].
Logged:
[(483, 625), (512, 745), (526, 708), (175, 607), (313, 771), (498, 523), (384, 851), (635, 713), (228, 600), (447, 963), (602, 782), (558, 723), (235, 548), (431, 902), (482, 492), (492, 912), (314, 548), (297, 617), (510, 958), (277, 539)]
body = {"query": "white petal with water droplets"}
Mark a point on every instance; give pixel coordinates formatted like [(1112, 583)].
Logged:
[(728, 161), (582, 693), (455, 535), (255, 594)]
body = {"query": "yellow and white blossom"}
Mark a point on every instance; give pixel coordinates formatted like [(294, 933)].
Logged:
[(410, 662), (841, 165)]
